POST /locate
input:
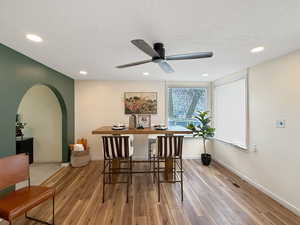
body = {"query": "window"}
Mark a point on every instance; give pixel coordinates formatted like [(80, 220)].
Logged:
[(183, 103)]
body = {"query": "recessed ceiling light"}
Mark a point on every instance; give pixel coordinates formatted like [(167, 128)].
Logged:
[(146, 73), (33, 37), (205, 75), (257, 49), (82, 72)]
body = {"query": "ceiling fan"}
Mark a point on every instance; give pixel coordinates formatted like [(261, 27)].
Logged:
[(158, 55)]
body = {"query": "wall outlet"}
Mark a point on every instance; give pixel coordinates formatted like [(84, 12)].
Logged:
[(254, 148), (280, 123)]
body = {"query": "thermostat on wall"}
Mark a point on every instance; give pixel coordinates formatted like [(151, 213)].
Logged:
[(280, 123)]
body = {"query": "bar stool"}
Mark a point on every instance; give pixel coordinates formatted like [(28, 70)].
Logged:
[(169, 148), (117, 148)]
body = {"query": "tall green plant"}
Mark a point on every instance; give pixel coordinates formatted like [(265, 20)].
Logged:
[(204, 129)]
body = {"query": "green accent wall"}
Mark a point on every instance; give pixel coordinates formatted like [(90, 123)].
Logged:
[(18, 73)]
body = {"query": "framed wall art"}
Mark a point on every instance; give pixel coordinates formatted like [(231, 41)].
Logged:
[(140, 102)]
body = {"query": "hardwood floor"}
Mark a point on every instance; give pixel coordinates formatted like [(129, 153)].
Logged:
[(210, 198)]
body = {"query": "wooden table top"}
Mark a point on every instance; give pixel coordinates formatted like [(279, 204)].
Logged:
[(170, 130)]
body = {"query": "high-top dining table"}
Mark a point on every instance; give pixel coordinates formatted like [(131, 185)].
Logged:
[(170, 131), (173, 130)]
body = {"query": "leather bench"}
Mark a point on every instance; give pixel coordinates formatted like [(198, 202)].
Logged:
[(15, 169)]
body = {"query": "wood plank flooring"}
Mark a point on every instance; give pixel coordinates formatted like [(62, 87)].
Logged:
[(210, 198)]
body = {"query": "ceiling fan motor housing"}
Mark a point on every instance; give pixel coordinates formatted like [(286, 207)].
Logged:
[(159, 48)]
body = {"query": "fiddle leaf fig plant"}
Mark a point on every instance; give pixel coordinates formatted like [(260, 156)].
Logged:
[(204, 129)]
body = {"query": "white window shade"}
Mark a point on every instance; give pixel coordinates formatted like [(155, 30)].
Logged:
[(230, 112)]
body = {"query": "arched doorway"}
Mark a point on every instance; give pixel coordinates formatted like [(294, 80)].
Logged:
[(44, 113)]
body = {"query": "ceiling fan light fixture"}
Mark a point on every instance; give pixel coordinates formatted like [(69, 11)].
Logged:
[(205, 75)]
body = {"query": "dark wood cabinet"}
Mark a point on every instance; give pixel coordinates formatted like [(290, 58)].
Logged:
[(25, 145)]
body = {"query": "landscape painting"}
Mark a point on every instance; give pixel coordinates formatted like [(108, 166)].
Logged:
[(140, 102)]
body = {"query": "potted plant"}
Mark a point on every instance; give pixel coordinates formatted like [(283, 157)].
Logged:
[(19, 127), (203, 130)]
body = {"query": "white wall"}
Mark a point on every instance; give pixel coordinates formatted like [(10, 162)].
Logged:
[(41, 111), (99, 103), (274, 94)]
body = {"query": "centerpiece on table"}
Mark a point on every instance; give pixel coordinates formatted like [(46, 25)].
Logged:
[(204, 130)]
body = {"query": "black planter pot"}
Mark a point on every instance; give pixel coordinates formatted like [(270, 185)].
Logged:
[(206, 159)]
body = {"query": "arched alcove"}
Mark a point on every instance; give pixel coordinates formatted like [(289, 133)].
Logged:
[(42, 105)]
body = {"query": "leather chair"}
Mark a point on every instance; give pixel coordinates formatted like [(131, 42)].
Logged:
[(15, 169)]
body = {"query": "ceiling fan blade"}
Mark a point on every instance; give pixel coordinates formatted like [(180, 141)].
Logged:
[(166, 67), (196, 55), (134, 64), (142, 45)]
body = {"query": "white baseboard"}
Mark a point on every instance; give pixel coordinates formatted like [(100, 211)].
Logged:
[(191, 156), (280, 200)]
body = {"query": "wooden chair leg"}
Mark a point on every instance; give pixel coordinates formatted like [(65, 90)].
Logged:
[(181, 178)]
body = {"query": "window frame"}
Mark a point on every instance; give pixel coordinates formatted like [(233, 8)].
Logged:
[(183, 84)]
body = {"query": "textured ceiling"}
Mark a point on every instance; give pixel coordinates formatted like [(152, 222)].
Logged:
[(94, 35)]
